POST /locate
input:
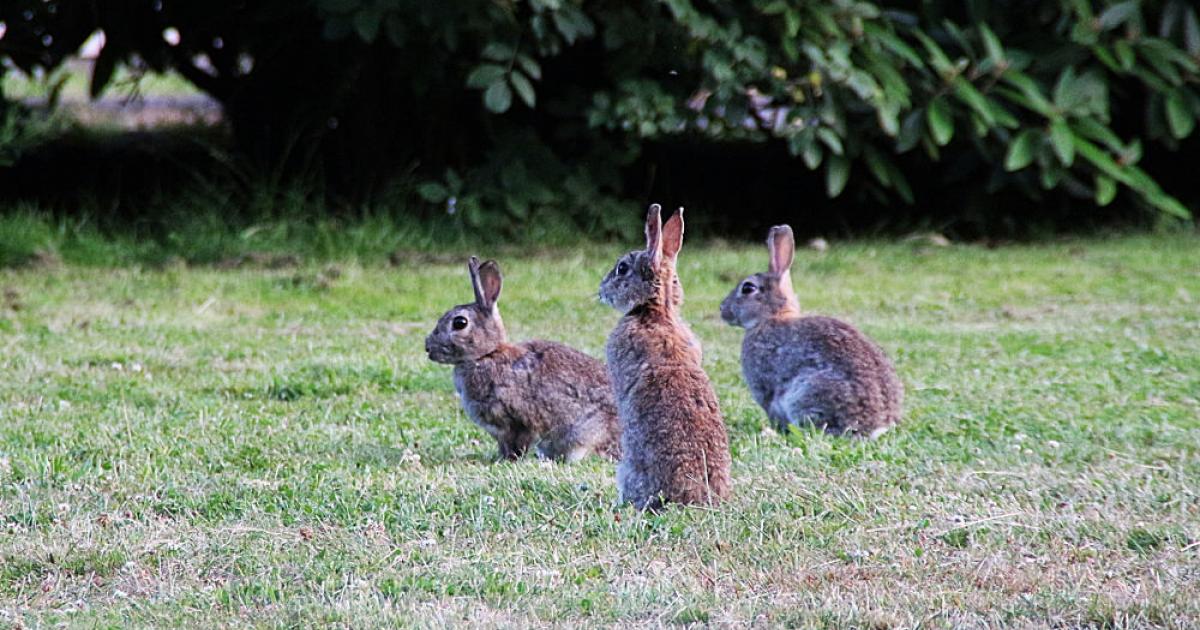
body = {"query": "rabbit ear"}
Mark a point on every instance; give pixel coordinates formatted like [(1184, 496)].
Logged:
[(782, 246), (654, 226), (490, 283), (473, 269), (673, 235)]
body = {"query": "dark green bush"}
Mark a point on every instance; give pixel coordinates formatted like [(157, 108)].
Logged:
[(501, 109)]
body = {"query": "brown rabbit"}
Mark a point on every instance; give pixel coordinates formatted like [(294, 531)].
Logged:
[(534, 393), (807, 370), (673, 441)]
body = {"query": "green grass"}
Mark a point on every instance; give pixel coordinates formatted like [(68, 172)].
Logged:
[(195, 230), (76, 82), (191, 446)]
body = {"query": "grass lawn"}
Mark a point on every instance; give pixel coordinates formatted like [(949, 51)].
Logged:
[(76, 80), (194, 446)]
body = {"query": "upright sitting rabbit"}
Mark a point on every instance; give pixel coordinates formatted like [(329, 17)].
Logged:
[(673, 442), (809, 369), (534, 393)]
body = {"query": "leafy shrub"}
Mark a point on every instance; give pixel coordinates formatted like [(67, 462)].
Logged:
[(499, 111), (20, 131)]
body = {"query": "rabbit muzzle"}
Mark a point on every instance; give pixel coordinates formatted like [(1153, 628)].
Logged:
[(437, 352)]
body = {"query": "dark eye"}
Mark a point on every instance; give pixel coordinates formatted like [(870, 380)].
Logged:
[(748, 288), (459, 323), (622, 269)]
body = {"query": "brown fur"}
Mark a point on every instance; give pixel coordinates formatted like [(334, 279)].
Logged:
[(809, 369), (541, 392), (536, 393), (674, 445)]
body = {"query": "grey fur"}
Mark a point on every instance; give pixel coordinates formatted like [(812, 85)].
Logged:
[(673, 440), (536, 393), (809, 369)]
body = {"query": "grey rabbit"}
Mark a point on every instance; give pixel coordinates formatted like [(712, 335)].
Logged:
[(673, 441), (533, 393), (809, 370)]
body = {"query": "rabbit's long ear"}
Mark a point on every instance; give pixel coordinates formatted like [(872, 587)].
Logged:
[(490, 283), (673, 236), (476, 284), (782, 246), (654, 228)]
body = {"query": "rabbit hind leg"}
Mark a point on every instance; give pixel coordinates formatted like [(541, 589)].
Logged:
[(816, 399)]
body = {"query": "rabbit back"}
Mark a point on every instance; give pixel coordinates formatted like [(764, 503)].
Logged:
[(824, 372)]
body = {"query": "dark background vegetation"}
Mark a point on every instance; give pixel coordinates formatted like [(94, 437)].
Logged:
[(984, 118)]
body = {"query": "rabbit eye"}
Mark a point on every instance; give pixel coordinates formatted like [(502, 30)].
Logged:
[(748, 288), (622, 269), (459, 323)]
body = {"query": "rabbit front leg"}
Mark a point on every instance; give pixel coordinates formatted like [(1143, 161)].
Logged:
[(514, 442), (777, 412)]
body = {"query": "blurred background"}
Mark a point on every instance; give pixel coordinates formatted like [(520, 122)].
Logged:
[(148, 130)]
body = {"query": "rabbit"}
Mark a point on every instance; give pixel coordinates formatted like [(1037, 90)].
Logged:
[(809, 370), (673, 441), (536, 393)]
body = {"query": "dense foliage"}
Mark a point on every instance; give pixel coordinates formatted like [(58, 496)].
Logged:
[(501, 108)]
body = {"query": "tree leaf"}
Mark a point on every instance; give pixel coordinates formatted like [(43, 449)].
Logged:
[(1061, 139), (941, 122), (530, 66), (992, 44), (1119, 13), (1106, 58), (1029, 88), (893, 43), (1002, 115), (1051, 175), (572, 23), (497, 97), (1179, 117), (523, 87), (1125, 56), (1133, 177), (877, 165), (1083, 8), (1095, 130), (969, 94), (937, 57), (366, 24), (812, 154), (837, 173), (889, 118), (830, 139), (910, 131), (1191, 32), (484, 75), (1021, 150), (1062, 89), (1082, 95), (1083, 33), (1106, 190), (497, 52), (1166, 58)]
